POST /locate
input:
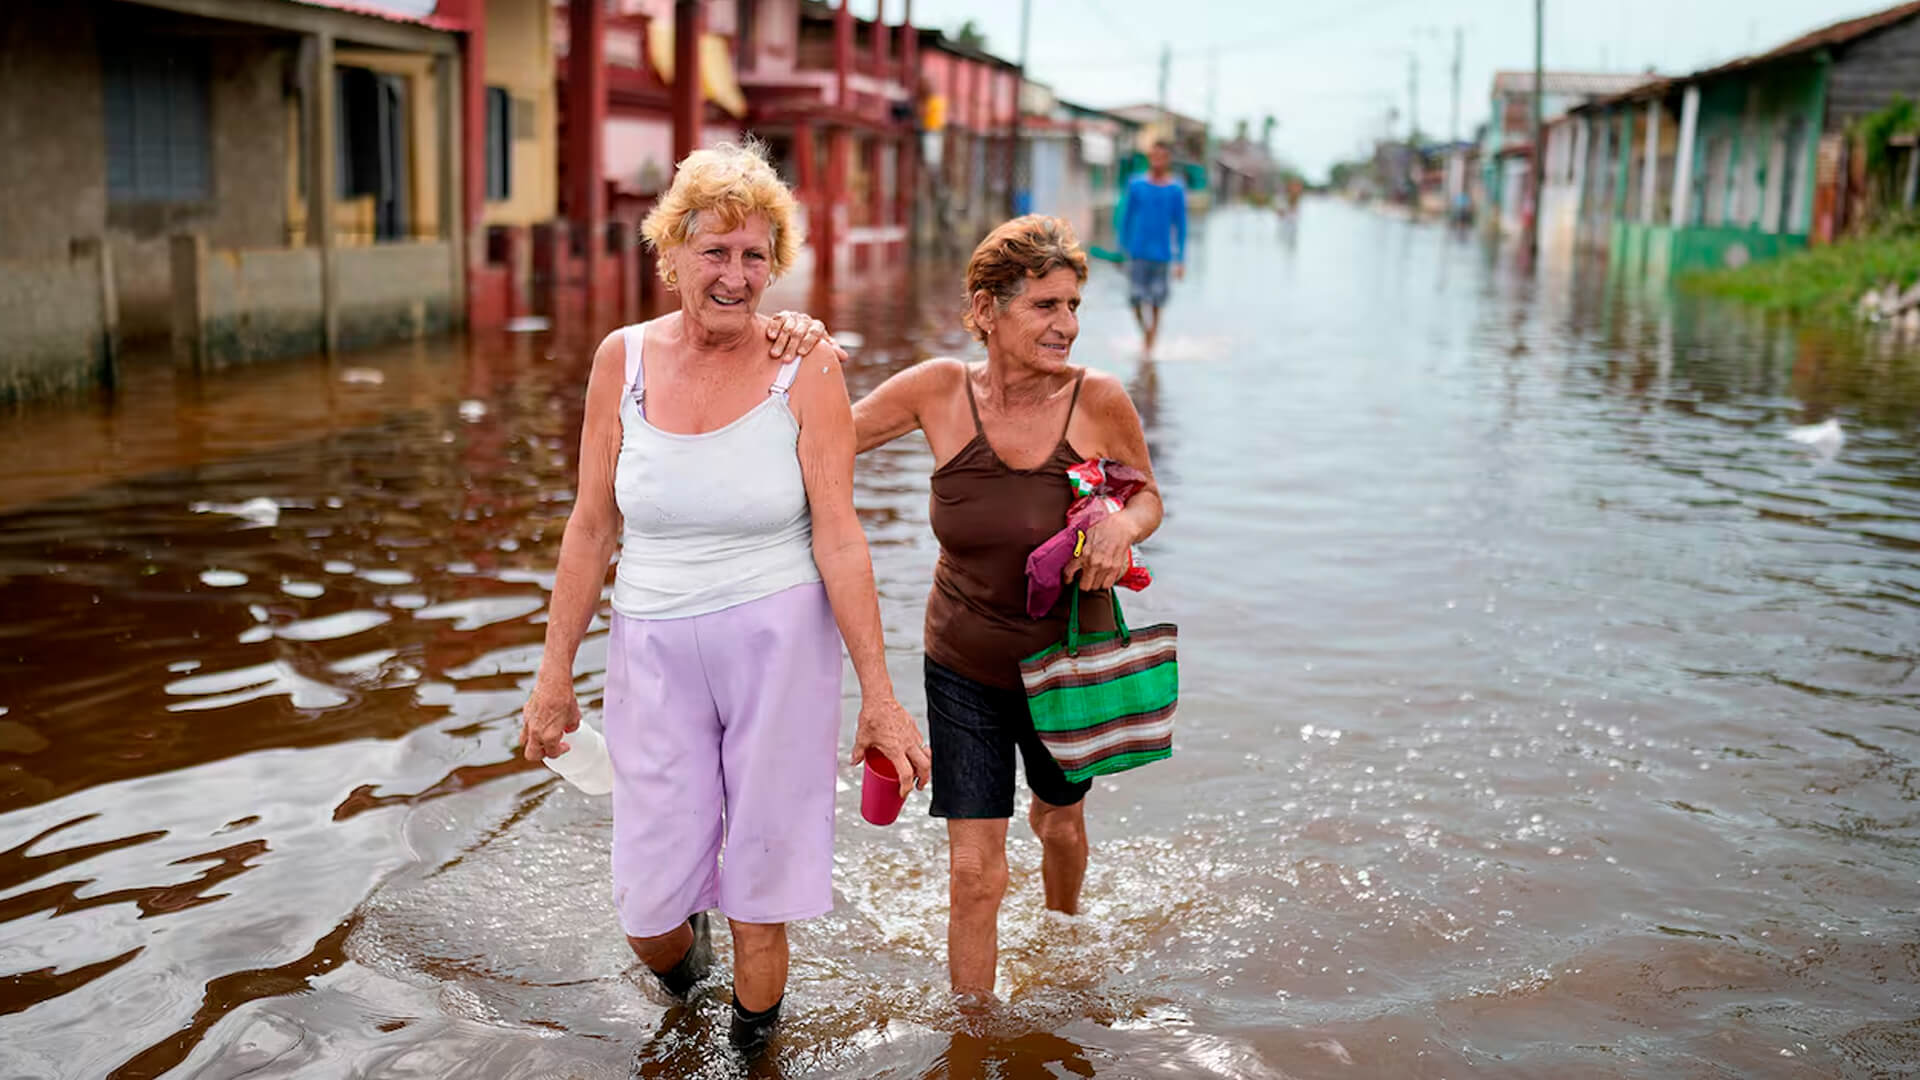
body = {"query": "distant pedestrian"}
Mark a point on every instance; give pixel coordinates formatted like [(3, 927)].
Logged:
[(1153, 232)]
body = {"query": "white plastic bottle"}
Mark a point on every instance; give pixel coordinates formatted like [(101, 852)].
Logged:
[(586, 764)]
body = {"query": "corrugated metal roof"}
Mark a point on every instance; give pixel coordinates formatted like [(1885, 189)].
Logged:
[(1844, 32), (1569, 82)]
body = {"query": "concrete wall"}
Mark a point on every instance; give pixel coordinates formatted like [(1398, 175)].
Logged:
[(519, 46), (58, 316), (393, 292), (258, 304), (53, 172)]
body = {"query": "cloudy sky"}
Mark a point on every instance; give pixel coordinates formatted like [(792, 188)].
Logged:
[(1329, 70)]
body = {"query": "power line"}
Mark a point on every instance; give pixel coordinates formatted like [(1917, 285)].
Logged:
[(1270, 41)]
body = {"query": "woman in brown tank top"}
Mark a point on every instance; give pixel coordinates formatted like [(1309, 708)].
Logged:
[(1004, 433)]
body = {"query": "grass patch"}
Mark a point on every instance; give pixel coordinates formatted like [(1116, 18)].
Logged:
[(1822, 282)]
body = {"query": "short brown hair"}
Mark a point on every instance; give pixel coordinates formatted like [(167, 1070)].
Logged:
[(1026, 247)]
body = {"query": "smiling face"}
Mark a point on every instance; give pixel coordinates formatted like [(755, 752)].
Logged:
[(1037, 328), (720, 275), (1160, 158)]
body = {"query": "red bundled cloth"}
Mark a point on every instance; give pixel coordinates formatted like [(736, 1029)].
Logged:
[(1104, 486)]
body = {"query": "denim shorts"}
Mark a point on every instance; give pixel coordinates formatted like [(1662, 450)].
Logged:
[(1147, 282), (975, 729)]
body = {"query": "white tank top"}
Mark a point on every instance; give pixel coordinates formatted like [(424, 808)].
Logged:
[(710, 520)]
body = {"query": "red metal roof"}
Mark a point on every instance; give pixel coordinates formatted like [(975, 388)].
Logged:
[(412, 12)]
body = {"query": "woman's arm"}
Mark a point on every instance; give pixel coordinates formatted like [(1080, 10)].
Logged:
[(1116, 434), (846, 568), (894, 407), (592, 533)]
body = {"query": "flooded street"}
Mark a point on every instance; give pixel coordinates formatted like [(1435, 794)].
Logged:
[(1547, 710)]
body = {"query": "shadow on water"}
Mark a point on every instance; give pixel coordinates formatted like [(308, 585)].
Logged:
[(1547, 710)]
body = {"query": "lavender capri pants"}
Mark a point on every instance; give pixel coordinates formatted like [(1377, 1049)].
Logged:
[(724, 731)]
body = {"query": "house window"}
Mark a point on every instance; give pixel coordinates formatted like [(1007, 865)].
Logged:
[(156, 111), (499, 145)]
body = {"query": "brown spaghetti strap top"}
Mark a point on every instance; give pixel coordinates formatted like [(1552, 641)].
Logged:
[(988, 518)]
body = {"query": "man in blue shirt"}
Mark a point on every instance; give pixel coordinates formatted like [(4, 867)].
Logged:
[(1153, 233)]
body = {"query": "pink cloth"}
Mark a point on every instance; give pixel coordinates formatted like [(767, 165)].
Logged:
[(1104, 486)]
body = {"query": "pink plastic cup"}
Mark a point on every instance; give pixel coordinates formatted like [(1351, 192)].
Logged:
[(880, 798)]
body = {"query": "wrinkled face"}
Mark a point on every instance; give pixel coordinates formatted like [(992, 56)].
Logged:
[(1160, 158), (1037, 328), (721, 275)]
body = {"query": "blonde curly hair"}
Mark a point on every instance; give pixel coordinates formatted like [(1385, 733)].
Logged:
[(730, 182), (1026, 247)]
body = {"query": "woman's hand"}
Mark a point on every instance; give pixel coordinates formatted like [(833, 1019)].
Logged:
[(551, 712), (1105, 555), (795, 333), (886, 727)]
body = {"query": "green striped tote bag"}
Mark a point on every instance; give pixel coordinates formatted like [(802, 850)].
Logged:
[(1103, 703)]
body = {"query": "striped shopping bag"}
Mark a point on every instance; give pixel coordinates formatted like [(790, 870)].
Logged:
[(1103, 703)]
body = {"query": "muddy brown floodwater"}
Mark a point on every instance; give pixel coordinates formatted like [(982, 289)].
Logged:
[(1548, 711)]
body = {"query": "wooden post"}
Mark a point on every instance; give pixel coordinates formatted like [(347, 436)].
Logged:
[(880, 44), (833, 232), (454, 224), (909, 52), (586, 135), (1683, 158), (689, 25), (321, 178), (1650, 175), (842, 51), (472, 83)]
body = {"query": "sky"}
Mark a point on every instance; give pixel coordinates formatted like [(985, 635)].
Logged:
[(1330, 70)]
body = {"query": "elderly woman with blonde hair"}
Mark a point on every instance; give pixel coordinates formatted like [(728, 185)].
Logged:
[(1004, 431), (725, 480)]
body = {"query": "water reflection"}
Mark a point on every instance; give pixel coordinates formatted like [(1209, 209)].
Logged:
[(1547, 708)]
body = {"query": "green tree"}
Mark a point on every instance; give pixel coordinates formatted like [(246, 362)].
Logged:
[(971, 36)]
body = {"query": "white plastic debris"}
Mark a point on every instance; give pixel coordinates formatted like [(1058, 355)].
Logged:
[(1824, 438)]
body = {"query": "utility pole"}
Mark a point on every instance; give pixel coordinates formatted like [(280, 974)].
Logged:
[(1534, 163), (1413, 98), (1453, 124), (1019, 92), (1166, 66)]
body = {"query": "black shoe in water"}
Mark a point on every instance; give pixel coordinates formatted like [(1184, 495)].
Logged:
[(752, 1031), (694, 966)]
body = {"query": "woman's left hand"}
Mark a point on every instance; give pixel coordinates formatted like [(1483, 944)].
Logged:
[(1106, 554), (795, 333), (886, 727)]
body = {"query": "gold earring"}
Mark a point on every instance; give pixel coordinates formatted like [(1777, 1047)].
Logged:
[(672, 276)]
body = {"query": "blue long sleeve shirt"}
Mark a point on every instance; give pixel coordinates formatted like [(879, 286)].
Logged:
[(1153, 225)]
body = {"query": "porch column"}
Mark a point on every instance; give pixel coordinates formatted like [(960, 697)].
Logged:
[(321, 178), (1623, 166), (473, 128), (903, 179), (689, 25), (1683, 158), (586, 133), (1650, 177), (842, 51), (832, 229), (876, 192), (454, 209), (909, 53), (880, 44)]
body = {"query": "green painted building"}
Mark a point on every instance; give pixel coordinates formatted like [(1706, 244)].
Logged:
[(1742, 161)]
